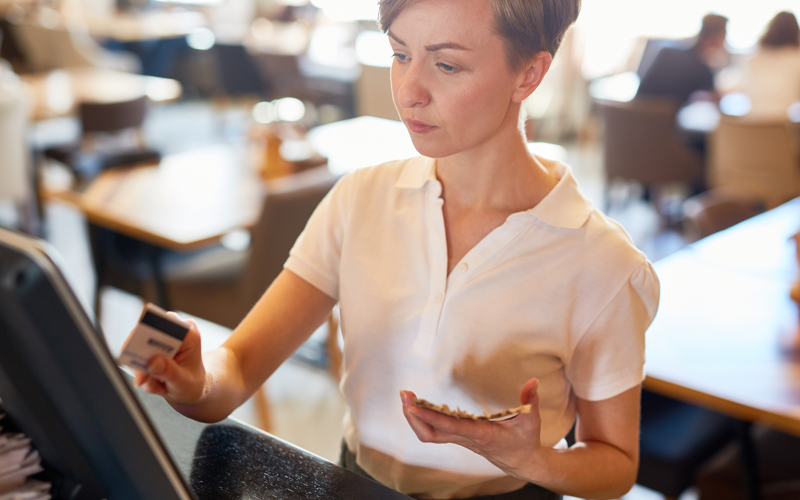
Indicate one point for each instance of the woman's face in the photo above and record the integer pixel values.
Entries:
(451, 83)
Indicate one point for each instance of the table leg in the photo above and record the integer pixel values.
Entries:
(158, 276)
(749, 461)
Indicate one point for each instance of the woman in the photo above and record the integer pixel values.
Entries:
(476, 275)
(771, 76)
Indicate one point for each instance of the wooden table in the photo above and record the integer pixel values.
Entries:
(187, 201)
(724, 313)
(194, 198)
(57, 93)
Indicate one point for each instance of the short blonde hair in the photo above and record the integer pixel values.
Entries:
(526, 26)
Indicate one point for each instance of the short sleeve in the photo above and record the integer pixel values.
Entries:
(316, 254)
(609, 357)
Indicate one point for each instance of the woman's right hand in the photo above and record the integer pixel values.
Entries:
(180, 380)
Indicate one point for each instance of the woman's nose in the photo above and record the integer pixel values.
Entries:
(413, 90)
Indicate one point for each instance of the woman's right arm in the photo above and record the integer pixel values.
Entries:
(209, 387)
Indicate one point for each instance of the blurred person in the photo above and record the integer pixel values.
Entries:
(476, 275)
(680, 73)
(771, 76)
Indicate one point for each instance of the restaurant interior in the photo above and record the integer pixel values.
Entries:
(171, 151)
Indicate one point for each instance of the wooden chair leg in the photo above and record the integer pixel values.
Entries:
(262, 407)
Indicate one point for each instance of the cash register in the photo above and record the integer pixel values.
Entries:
(100, 438)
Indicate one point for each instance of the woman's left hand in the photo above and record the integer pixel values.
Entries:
(510, 444)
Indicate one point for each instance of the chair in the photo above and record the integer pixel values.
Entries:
(45, 49)
(219, 284)
(757, 157)
(641, 144)
(778, 474)
(237, 72)
(676, 438)
(111, 135)
(714, 210)
(216, 283)
(225, 292)
(290, 75)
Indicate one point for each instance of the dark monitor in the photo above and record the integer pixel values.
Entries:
(60, 385)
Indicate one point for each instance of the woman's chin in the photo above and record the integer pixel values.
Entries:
(430, 147)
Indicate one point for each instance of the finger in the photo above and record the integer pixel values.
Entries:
(154, 386)
(431, 417)
(165, 369)
(191, 347)
(177, 316)
(446, 423)
(192, 323)
(139, 378)
(424, 432)
(407, 397)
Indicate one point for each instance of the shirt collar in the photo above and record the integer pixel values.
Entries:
(564, 206)
(417, 172)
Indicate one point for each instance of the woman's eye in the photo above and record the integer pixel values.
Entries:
(400, 57)
(447, 68)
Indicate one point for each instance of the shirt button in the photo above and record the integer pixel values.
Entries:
(463, 267)
(438, 297)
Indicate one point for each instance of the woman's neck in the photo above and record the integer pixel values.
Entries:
(500, 175)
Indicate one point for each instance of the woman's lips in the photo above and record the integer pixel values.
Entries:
(419, 127)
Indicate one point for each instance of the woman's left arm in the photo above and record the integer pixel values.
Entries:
(603, 463)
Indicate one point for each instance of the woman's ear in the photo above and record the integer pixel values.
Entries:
(531, 75)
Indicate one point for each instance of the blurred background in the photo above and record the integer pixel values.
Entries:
(160, 145)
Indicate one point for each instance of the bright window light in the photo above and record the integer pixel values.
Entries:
(201, 39)
(610, 27)
(290, 109)
(373, 49)
(332, 45)
(264, 112)
(735, 104)
(348, 10)
(794, 112)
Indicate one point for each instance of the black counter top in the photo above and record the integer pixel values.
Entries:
(233, 461)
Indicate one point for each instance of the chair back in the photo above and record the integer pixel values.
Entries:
(112, 116)
(282, 74)
(641, 143)
(715, 210)
(238, 74)
(288, 205)
(45, 49)
(759, 157)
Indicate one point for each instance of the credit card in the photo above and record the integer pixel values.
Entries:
(156, 333)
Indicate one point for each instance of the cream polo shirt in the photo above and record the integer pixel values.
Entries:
(557, 292)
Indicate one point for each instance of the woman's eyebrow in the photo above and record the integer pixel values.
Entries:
(446, 45)
(393, 37)
(430, 48)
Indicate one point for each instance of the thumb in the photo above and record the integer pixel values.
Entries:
(529, 393)
(408, 398)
